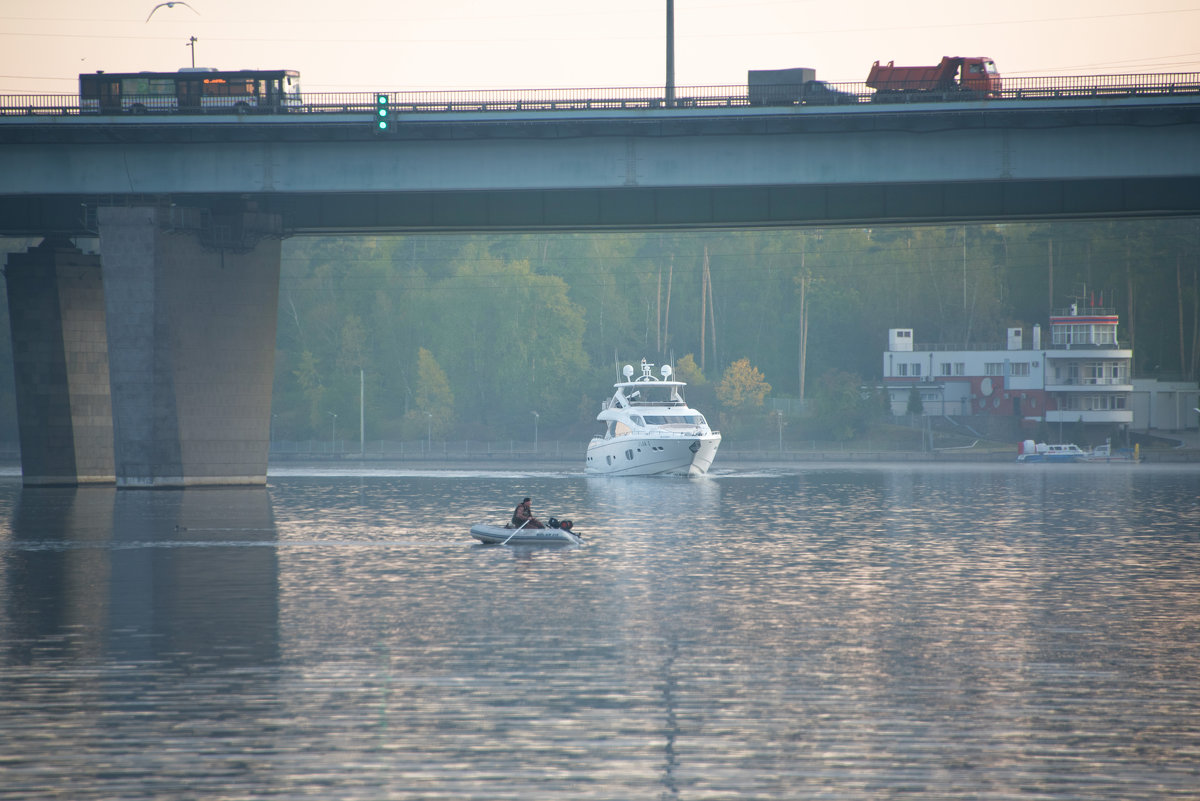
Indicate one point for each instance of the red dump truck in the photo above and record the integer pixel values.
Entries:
(955, 77)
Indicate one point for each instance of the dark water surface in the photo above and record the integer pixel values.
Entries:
(985, 632)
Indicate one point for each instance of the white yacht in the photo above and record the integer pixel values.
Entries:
(650, 430)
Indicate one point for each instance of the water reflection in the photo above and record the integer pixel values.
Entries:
(96, 573)
(853, 633)
(56, 573)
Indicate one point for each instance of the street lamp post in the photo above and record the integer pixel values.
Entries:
(779, 414)
(429, 434)
(670, 93)
(332, 432)
(535, 425)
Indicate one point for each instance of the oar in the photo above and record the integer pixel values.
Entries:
(510, 536)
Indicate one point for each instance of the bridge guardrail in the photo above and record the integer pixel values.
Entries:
(532, 100)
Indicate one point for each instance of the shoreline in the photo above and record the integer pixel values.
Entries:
(11, 468)
(736, 459)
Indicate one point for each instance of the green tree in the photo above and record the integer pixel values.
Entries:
(839, 406)
(433, 412)
(308, 375)
(514, 336)
(915, 405)
(687, 370)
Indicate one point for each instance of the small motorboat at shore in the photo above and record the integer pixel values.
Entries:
(561, 534)
(1029, 451)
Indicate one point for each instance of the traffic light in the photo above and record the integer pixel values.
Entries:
(383, 119)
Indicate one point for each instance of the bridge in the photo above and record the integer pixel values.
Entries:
(166, 351)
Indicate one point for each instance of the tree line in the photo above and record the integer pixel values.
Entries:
(466, 337)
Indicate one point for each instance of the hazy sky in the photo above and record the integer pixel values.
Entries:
(364, 45)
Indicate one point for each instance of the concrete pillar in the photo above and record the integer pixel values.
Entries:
(60, 359)
(191, 298)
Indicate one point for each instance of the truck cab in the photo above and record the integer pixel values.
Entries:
(980, 75)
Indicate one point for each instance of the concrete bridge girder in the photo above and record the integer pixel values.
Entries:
(925, 163)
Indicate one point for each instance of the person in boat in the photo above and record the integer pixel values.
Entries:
(523, 516)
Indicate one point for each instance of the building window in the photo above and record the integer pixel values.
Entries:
(916, 368)
(902, 369)
(944, 368)
(1085, 334)
(960, 368)
(1019, 368)
(993, 368)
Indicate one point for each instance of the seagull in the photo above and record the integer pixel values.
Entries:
(170, 4)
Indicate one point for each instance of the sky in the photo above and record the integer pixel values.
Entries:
(369, 45)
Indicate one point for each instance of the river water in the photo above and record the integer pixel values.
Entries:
(978, 632)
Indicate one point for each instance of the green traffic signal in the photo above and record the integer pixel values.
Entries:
(382, 121)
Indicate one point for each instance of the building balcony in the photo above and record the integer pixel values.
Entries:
(1106, 385)
(1085, 352)
(1089, 416)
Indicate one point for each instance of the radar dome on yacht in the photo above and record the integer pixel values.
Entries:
(666, 371)
(627, 371)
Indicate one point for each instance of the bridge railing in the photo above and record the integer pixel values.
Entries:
(654, 97)
(1086, 86)
(52, 105)
(496, 100)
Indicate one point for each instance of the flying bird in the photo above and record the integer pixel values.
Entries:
(170, 4)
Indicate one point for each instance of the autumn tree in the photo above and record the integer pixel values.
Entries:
(742, 388)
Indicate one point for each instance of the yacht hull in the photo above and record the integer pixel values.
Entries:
(652, 456)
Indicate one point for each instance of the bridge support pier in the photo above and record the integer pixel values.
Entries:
(64, 413)
(191, 298)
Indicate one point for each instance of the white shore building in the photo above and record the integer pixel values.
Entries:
(1080, 373)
